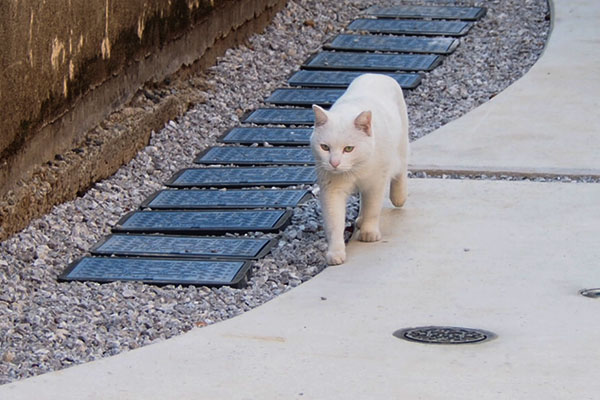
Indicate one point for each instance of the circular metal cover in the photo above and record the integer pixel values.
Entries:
(444, 335)
(593, 293)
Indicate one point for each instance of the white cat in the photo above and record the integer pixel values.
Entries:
(360, 144)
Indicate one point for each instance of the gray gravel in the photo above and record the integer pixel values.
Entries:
(45, 325)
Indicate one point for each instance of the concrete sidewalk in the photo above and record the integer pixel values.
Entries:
(508, 257)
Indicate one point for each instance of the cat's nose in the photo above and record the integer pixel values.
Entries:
(334, 162)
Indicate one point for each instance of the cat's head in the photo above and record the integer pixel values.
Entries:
(341, 143)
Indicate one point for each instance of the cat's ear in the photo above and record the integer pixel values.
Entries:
(320, 115)
(363, 122)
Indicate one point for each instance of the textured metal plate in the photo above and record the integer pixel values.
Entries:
(400, 44)
(244, 177)
(285, 116)
(183, 246)
(444, 335)
(373, 61)
(411, 27)
(208, 199)
(203, 222)
(301, 97)
(341, 79)
(158, 271)
(280, 136)
(591, 293)
(256, 155)
(434, 12)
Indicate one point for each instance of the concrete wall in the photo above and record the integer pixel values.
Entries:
(66, 64)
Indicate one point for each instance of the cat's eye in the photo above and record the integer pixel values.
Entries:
(348, 149)
(325, 147)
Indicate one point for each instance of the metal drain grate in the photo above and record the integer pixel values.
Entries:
(285, 116)
(280, 136)
(400, 44)
(444, 335)
(243, 177)
(203, 222)
(256, 155)
(158, 271)
(373, 61)
(182, 246)
(302, 97)
(209, 199)
(341, 79)
(411, 27)
(434, 12)
(591, 293)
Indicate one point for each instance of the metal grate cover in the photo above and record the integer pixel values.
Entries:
(208, 199)
(401, 44)
(285, 116)
(256, 155)
(411, 27)
(301, 97)
(444, 335)
(373, 61)
(158, 271)
(203, 222)
(182, 246)
(244, 177)
(280, 136)
(434, 12)
(341, 79)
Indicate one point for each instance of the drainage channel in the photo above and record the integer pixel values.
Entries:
(177, 236)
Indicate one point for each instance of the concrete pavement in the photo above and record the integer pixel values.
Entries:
(508, 257)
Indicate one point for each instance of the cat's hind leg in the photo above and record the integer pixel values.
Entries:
(399, 188)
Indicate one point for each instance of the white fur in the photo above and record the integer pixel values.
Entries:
(371, 117)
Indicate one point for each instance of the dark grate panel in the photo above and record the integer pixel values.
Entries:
(411, 27)
(341, 79)
(279, 136)
(433, 12)
(400, 44)
(301, 97)
(209, 199)
(203, 222)
(444, 335)
(256, 155)
(182, 246)
(158, 271)
(275, 116)
(244, 177)
(373, 61)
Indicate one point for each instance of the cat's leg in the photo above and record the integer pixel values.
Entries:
(371, 202)
(333, 205)
(399, 188)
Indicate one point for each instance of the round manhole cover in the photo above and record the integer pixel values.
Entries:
(444, 335)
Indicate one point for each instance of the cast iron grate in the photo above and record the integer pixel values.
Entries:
(182, 246)
(591, 293)
(172, 199)
(243, 177)
(444, 335)
(434, 12)
(373, 61)
(303, 97)
(284, 116)
(401, 44)
(341, 79)
(256, 155)
(158, 271)
(277, 136)
(411, 27)
(203, 222)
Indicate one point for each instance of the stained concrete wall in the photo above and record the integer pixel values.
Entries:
(65, 65)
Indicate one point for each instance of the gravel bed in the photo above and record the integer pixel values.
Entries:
(46, 326)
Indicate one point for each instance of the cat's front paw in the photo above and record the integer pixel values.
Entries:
(369, 236)
(336, 257)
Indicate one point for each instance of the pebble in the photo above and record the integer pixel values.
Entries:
(46, 325)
